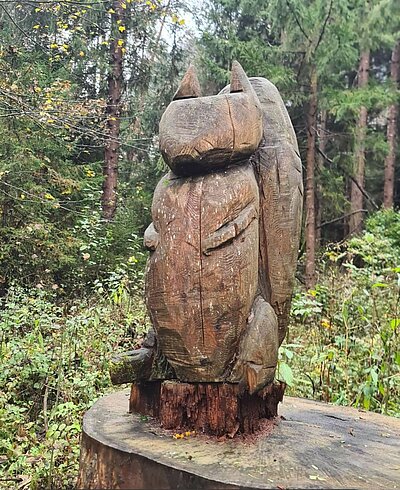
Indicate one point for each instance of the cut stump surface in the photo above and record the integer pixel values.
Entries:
(314, 445)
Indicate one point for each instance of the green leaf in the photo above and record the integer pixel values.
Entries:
(285, 373)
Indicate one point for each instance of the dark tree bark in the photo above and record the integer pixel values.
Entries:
(310, 180)
(113, 112)
(320, 162)
(390, 160)
(211, 408)
(357, 198)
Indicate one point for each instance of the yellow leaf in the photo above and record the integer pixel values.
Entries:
(53, 46)
(123, 5)
(49, 196)
(37, 9)
(37, 26)
(181, 22)
(123, 50)
(81, 53)
(121, 28)
(50, 121)
(111, 11)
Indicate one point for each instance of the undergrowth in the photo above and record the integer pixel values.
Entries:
(54, 365)
(343, 345)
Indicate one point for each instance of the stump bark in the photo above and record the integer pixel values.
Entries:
(211, 408)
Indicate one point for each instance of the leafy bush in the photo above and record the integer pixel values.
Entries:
(54, 365)
(345, 333)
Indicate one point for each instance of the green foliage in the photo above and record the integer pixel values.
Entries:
(347, 329)
(54, 364)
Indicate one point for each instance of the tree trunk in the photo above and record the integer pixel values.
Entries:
(136, 125)
(113, 112)
(390, 159)
(211, 408)
(320, 161)
(310, 181)
(356, 219)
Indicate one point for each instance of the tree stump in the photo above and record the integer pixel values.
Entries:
(314, 445)
(211, 408)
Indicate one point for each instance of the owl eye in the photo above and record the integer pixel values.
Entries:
(189, 87)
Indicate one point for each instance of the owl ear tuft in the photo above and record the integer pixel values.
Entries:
(189, 87)
(239, 80)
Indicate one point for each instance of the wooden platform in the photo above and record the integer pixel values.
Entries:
(314, 445)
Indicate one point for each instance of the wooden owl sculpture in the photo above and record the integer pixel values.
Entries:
(225, 232)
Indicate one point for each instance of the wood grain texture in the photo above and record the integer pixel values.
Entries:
(206, 134)
(224, 244)
(258, 351)
(279, 174)
(211, 408)
(314, 445)
(189, 86)
(201, 279)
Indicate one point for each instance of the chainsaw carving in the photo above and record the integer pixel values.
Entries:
(225, 235)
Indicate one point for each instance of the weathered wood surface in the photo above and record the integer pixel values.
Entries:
(202, 277)
(131, 366)
(211, 408)
(205, 134)
(189, 86)
(316, 445)
(224, 244)
(279, 175)
(258, 349)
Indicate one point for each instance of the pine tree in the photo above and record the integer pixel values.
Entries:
(388, 190)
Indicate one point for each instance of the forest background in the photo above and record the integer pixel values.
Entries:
(82, 87)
